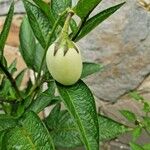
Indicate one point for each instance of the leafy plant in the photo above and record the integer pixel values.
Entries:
(140, 124)
(79, 124)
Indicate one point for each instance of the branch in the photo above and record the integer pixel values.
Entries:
(12, 81)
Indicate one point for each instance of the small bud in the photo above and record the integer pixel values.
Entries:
(64, 62)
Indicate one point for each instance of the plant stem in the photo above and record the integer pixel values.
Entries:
(65, 29)
(12, 81)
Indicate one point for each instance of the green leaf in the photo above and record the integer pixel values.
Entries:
(130, 116)
(2, 133)
(5, 88)
(19, 77)
(90, 68)
(73, 25)
(39, 22)
(81, 105)
(109, 129)
(39, 53)
(46, 9)
(27, 43)
(147, 122)
(20, 109)
(136, 96)
(6, 122)
(12, 68)
(53, 118)
(28, 88)
(62, 128)
(59, 6)
(85, 7)
(31, 134)
(146, 107)
(44, 99)
(146, 146)
(136, 133)
(55, 100)
(135, 146)
(7, 92)
(1, 79)
(31, 52)
(96, 20)
(4, 62)
(6, 28)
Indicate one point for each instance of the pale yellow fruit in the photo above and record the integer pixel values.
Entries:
(65, 69)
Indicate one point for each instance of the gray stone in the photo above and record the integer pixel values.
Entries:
(4, 6)
(122, 44)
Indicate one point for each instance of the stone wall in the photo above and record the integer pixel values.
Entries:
(122, 44)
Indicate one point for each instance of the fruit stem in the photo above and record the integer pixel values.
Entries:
(65, 29)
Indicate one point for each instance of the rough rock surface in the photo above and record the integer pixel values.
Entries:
(122, 44)
(4, 6)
